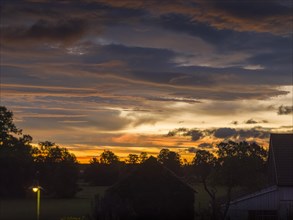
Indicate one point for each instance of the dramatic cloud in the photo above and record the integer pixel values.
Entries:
(238, 15)
(61, 31)
(256, 132)
(225, 132)
(121, 74)
(222, 133)
(285, 110)
(195, 134)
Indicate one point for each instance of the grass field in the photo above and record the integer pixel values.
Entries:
(78, 208)
(202, 198)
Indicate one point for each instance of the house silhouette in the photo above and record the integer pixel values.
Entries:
(275, 201)
(151, 192)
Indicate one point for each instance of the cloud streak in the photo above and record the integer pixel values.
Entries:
(122, 74)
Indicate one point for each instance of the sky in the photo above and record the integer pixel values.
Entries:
(136, 75)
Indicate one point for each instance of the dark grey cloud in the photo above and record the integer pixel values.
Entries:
(185, 24)
(232, 95)
(62, 55)
(257, 132)
(195, 134)
(62, 31)
(222, 133)
(145, 62)
(252, 121)
(228, 41)
(143, 66)
(252, 9)
(59, 22)
(191, 150)
(177, 131)
(205, 145)
(155, 65)
(244, 15)
(285, 110)
(225, 132)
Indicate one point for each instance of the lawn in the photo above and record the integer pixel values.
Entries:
(78, 208)
(202, 198)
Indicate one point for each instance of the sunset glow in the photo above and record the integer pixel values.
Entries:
(139, 76)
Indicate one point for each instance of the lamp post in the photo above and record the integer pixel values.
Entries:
(37, 189)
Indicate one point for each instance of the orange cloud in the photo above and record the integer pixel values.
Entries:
(207, 12)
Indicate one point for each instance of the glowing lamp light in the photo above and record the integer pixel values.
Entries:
(37, 189)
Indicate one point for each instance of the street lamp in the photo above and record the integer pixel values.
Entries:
(37, 189)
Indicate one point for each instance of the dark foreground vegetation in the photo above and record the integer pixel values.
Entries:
(232, 169)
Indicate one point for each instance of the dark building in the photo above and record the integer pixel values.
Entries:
(281, 160)
(276, 200)
(152, 192)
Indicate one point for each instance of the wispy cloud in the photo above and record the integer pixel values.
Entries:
(122, 74)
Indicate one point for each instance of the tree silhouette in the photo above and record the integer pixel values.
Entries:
(58, 169)
(16, 161)
(205, 164)
(171, 160)
(103, 172)
(237, 164)
(108, 157)
(143, 156)
(241, 164)
(19, 162)
(132, 159)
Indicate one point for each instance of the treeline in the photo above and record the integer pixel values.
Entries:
(108, 168)
(233, 165)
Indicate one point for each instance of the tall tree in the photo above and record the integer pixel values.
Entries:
(171, 160)
(205, 164)
(241, 164)
(16, 161)
(132, 159)
(143, 156)
(105, 171)
(108, 157)
(236, 165)
(58, 170)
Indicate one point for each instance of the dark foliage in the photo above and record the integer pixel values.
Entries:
(240, 164)
(22, 166)
(171, 160)
(16, 161)
(104, 172)
(58, 170)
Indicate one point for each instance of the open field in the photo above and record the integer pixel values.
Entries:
(78, 208)
(202, 198)
(51, 209)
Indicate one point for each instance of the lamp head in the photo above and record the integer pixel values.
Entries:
(35, 189)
